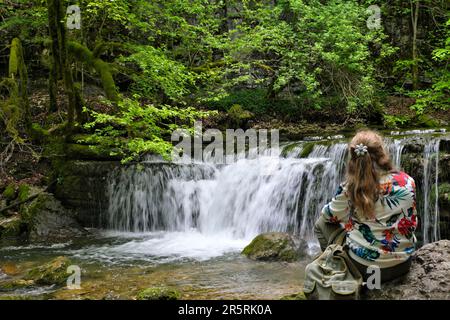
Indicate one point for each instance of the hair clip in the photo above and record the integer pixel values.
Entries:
(360, 150)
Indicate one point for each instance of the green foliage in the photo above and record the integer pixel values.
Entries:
(23, 192)
(438, 96)
(24, 19)
(393, 121)
(273, 58)
(10, 192)
(254, 100)
(159, 74)
(139, 129)
(305, 48)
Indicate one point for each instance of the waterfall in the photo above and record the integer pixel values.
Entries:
(430, 207)
(395, 149)
(242, 199)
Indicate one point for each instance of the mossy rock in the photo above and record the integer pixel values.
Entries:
(10, 192)
(54, 272)
(444, 167)
(444, 194)
(307, 149)
(11, 227)
(38, 134)
(238, 115)
(159, 293)
(49, 221)
(288, 149)
(23, 192)
(88, 152)
(272, 246)
(294, 296)
(17, 284)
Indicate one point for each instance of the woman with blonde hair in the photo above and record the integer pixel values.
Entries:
(375, 208)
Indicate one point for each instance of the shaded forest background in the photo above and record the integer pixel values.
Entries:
(137, 70)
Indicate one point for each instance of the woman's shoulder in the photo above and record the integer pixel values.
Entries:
(399, 178)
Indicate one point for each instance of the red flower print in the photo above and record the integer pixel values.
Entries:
(388, 235)
(400, 178)
(406, 226)
(334, 219)
(349, 225)
(386, 187)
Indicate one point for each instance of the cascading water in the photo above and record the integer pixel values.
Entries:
(238, 200)
(207, 207)
(395, 148)
(430, 220)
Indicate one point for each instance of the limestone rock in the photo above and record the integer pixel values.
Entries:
(429, 277)
(49, 221)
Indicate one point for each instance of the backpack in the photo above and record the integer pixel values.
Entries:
(332, 275)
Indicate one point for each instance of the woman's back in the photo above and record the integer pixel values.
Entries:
(388, 238)
(375, 207)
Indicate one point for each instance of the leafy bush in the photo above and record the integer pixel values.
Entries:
(159, 74)
(438, 96)
(139, 129)
(392, 121)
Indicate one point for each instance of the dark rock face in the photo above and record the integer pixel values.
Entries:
(429, 277)
(273, 246)
(83, 187)
(48, 221)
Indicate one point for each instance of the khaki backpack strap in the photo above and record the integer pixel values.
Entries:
(337, 237)
(351, 266)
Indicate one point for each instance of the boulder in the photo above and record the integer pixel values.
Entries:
(159, 293)
(49, 221)
(429, 277)
(273, 246)
(53, 272)
(10, 227)
(16, 284)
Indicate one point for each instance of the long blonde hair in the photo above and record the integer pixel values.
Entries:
(362, 171)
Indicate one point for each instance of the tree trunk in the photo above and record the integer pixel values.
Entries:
(415, 5)
(56, 19)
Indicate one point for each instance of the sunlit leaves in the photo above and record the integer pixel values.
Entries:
(139, 129)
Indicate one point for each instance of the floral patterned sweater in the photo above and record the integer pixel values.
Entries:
(388, 239)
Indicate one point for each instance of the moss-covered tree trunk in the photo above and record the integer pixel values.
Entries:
(85, 55)
(18, 73)
(60, 64)
(16, 107)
